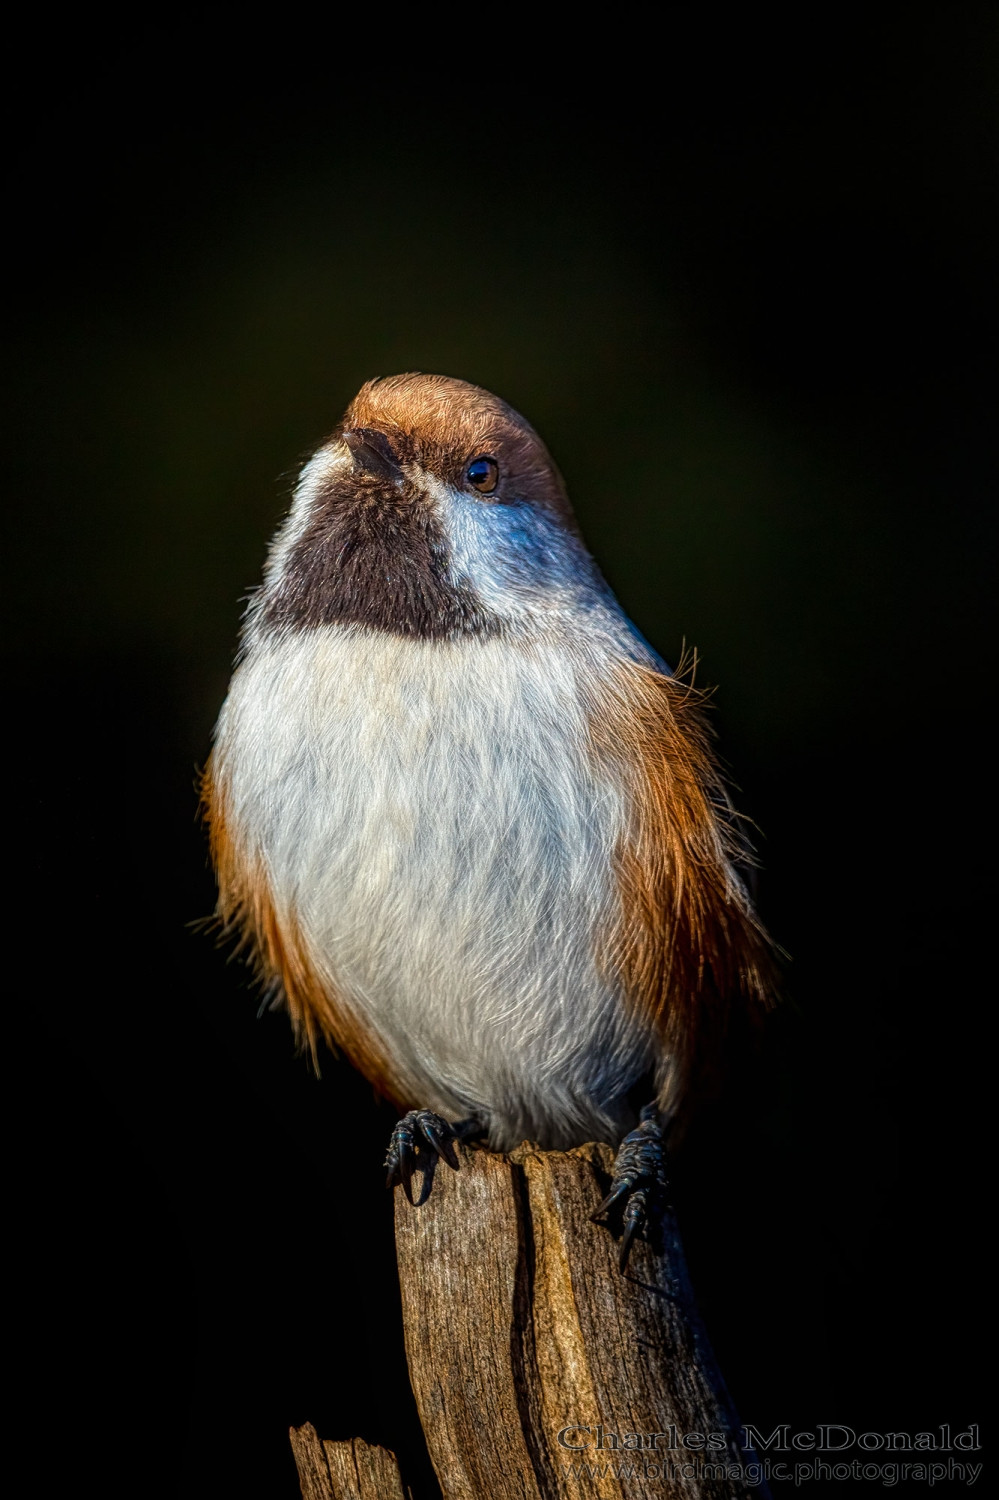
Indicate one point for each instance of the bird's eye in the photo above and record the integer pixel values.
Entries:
(483, 475)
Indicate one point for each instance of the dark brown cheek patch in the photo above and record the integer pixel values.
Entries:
(374, 554)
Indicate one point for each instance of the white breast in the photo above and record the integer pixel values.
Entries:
(431, 814)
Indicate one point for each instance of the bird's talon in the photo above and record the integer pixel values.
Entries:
(420, 1139)
(439, 1140)
(638, 1181)
(635, 1219)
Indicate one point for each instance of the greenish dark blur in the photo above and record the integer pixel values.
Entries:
(164, 418)
(171, 433)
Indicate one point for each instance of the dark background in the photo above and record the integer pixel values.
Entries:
(741, 277)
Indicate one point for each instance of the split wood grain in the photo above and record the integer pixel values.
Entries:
(519, 1326)
(352, 1470)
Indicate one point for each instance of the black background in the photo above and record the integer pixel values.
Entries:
(740, 274)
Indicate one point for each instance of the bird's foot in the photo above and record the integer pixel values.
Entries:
(638, 1180)
(419, 1141)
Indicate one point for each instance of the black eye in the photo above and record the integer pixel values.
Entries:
(483, 475)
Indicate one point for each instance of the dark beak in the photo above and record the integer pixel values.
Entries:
(372, 450)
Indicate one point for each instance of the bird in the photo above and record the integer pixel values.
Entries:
(466, 821)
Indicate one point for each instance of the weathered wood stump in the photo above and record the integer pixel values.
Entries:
(344, 1471)
(539, 1370)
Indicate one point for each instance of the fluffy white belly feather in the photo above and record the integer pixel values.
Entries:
(431, 816)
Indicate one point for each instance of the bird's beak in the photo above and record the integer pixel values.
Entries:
(371, 450)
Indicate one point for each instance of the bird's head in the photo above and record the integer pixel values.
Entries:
(434, 510)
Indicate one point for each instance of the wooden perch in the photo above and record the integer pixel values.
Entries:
(344, 1471)
(519, 1327)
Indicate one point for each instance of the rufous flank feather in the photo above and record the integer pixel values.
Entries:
(274, 947)
(687, 943)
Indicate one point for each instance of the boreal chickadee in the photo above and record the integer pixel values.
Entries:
(466, 817)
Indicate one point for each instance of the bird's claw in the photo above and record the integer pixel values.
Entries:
(418, 1141)
(638, 1181)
